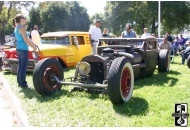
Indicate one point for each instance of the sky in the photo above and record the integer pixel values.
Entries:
(93, 6)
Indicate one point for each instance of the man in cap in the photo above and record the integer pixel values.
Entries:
(128, 33)
(95, 34)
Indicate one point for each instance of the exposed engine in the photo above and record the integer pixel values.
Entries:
(99, 65)
(108, 53)
(97, 71)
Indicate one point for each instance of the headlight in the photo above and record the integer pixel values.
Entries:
(84, 68)
(2, 54)
(34, 55)
(5, 55)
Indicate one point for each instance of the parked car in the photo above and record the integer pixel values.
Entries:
(8, 45)
(159, 40)
(114, 69)
(68, 47)
(186, 36)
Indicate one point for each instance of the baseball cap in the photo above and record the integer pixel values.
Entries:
(98, 21)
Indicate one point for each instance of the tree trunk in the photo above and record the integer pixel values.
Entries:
(153, 27)
(142, 26)
(2, 36)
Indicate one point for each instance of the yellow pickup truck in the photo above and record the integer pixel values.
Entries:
(69, 47)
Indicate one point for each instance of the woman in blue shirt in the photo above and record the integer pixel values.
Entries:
(22, 48)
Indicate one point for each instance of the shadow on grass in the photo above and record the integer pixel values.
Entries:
(7, 73)
(31, 93)
(158, 79)
(29, 73)
(174, 62)
(89, 94)
(136, 106)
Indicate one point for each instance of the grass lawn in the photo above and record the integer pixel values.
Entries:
(152, 103)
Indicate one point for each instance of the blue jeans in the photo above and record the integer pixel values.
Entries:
(23, 63)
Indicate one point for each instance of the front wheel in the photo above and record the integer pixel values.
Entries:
(120, 81)
(43, 73)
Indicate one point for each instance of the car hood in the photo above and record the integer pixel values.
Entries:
(49, 47)
(10, 50)
(50, 50)
(5, 46)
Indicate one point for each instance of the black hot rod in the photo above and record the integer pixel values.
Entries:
(117, 65)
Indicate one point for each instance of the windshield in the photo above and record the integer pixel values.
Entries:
(56, 40)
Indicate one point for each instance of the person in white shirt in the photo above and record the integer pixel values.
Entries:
(145, 34)
(95, 34)
(165, 44)
(35, 36)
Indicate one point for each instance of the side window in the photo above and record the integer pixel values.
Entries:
(66, 41)
(80, 40)
(62, 40)
(56, 40)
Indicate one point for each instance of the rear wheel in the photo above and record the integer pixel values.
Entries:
(43, 73)
(164, 61)
(120, 81)
(188, 61)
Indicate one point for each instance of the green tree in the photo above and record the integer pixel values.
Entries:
(34, 15)
(53, 16)
(7, 12)
(99, 16)
(60, 16)
(9, 28)
(78, 19)
(174, 14)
